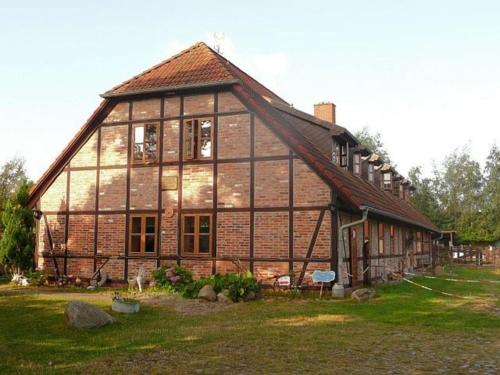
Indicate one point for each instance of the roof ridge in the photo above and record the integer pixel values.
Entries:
(160, 64)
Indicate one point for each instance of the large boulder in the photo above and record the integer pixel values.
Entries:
(207, 293)
(80, 314)
(362, 295)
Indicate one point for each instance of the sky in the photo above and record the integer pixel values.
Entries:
(424, 74)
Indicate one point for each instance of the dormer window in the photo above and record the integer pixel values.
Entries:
(387, 181)
(344, 153)
(336, 153)
(356, 167)
(371, 173)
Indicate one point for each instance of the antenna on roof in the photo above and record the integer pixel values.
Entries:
(218, 41)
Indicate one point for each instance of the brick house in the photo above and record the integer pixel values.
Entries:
(195, 162)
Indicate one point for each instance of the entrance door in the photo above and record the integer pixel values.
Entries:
(354, 257)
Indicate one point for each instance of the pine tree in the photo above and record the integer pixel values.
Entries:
(18, 239)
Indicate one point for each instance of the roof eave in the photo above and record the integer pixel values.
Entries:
(164, 89)
(397, 217)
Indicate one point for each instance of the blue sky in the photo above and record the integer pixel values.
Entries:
(425, 74)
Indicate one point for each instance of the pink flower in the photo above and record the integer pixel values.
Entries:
(174, 279)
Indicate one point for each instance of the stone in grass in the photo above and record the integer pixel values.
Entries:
(363, 295)
(207, 293)
(251, 296)
(80, 314)
(438, 271)
(223, 297)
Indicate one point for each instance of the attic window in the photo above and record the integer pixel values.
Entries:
(145, 143)
(371, 176)
(198, 139)
(387, 180)
(344, 149)
(356, 168)
(336, 153)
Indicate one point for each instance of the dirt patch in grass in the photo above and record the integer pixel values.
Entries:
(186, 306)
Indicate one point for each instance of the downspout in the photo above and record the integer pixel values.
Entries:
(338, 288)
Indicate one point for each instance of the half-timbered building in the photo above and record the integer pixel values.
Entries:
(195, 162)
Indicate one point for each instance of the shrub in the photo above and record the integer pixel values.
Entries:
(172, 278)
(179, 280)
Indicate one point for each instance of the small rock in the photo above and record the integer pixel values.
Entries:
(362, 295)
(80, 314)
(251, 296)
(222, 297)
(207, 293)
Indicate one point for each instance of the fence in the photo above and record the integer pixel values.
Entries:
(465, 254)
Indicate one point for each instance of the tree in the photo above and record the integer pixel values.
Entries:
(424, 198)
(12, 174)
(373, 142)
(491, 194)
(18, 240)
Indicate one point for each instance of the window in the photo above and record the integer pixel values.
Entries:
(145, 140)
(387, 183)
(336, 153)
(197, 234)
(344, 152)
(356, 167)
(198, 135)
(381, 239)
(366, 230)
(393, 240)
(371, 176)
(142, 234)
(419, 242)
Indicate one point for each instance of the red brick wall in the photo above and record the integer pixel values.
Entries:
(134, 266)
(233, 136)
(144, 188)
(198, 104)
(82, 190)
(172, 106)
(81, 234)
(112, 189)
(233, 234)
(229, 103)
(271, 234)
(170, 197)
(271, 189)
(57, 228)
(308, 188)
(114, 145)
(226, 266)
(169, 235)
(119, 113)
(146, 109)
(111, 235)
(200, 268)
(271, 183)
(171, 140)
(197, 186)
(233, 185)
(79, 267)
(263, 271)
(114, 267)
(54, 199)
(266, 143)
(87, 155)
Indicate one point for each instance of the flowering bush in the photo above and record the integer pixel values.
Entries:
(179, 280)
(172, 278)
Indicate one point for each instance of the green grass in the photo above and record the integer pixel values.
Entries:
(405, 330)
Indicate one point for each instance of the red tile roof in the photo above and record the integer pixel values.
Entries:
(199, 66)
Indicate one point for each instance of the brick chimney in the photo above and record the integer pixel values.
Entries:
(325, 111)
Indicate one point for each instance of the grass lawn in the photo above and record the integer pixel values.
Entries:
(406, 330)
